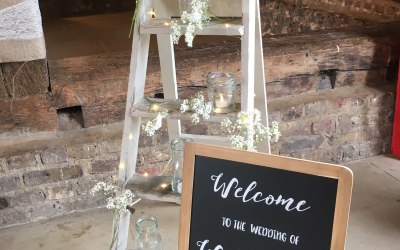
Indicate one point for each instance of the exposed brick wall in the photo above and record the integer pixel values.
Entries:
(54, 181)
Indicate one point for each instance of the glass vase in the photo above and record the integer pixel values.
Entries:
(185, 5)
(221, 87)
(147, 235)
(176, 163)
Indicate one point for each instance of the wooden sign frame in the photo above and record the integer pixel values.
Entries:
(341, 173)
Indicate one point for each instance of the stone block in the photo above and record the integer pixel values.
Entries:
(108, 147)
(84, 203)
(382, 100)
(338, 104)
(23, 161)
(319, 155)
(371, 148)
(84, 185)
(274, 116)
(357, 103)
(357, 135)
(71, 172)
(299, 144)
(379, 131)
(4, 202)
(45, 211)
(350, 152)
(51, 175)
(101, 166)
(292, 113)
(325, 126)
(296, 127)
(61, 191)
(28, 197)
(9, 183)
(344, 124)
(81, 151)
(38, 177)
(2, 165)
(316, 108)
(54, 156)
(11, 216)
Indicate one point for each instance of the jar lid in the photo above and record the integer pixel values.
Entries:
(146, 223)
(221, 78)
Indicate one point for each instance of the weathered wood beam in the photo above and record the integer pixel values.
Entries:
(373, 11)
(19, 79)
(98, 83)
(31, 113)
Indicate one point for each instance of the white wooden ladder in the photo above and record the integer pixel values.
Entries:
(253, 94)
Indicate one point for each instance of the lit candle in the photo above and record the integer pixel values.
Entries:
(154, 107)
(221, 102)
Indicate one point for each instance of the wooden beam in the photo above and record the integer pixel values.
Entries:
(32, 113)
(19, 79)
(367, 10)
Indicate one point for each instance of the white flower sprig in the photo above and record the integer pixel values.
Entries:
(153, 125)
(195, 20)
(117, 203)
(198, 106)
(249, 124)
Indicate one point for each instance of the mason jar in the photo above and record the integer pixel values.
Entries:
(147, 235)
(221, 87)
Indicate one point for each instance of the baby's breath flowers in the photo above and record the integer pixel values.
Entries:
(195, 20)
(117, 203)
(241, 129)
(199, 107)
(153, 125)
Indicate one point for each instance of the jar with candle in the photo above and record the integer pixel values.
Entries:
(221, 88)
(147, 235)
(176, 163)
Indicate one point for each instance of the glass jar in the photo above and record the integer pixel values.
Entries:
(221, 88)
(185, 5)
(147, 237)
(176, 163)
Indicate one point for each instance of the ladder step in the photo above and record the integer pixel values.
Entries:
(149, 107)
(153, 188)
(208, 139)
(221, 27)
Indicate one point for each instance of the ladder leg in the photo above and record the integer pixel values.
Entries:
(131, 133)
(260, 97)
(248, 60)
(168, 76)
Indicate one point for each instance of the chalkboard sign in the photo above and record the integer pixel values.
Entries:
(233, 199)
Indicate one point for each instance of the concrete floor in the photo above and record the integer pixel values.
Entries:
(374, 218)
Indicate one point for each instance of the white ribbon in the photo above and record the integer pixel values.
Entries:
(21, 21)
(21, 32)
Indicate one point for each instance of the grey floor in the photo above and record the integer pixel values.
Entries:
(374, 218)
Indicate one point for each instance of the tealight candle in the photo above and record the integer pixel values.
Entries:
(222, 91)
(220, 102)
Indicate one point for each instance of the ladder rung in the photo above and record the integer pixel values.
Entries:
(221, 27)
(148, 107)
(208, 139)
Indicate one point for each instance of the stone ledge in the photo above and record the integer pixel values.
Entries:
(13, 144)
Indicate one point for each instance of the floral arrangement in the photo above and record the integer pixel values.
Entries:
(198, 106)
(249, 124)
(155, 124)
(195, 20)
(119, 204)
